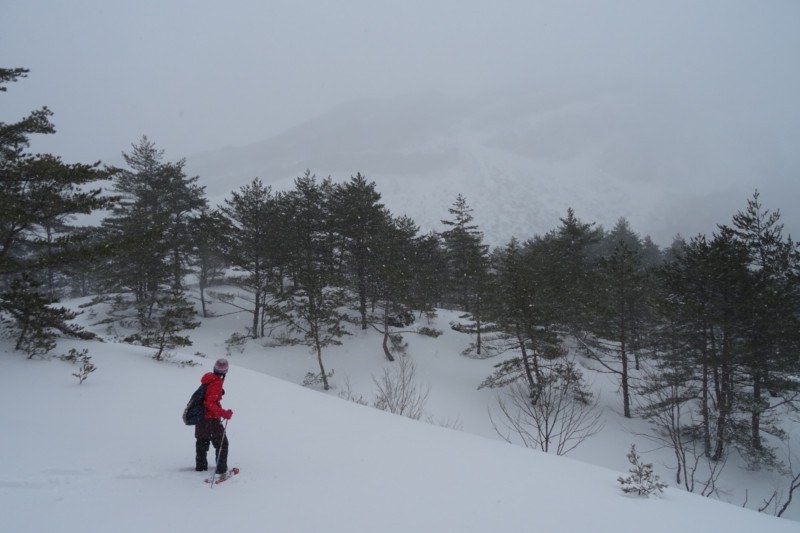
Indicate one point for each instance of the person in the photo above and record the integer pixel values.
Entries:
(210, 430)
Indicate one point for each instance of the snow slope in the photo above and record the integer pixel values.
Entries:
(111, 454)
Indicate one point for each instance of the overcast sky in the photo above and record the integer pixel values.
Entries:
(197, 75)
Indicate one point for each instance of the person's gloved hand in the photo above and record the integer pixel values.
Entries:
(227, 414)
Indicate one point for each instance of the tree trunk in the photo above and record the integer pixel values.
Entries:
(202, 284)
(626, 395)
(256, 312)
(526, 364)
(362, 296)
(321, 366)
(756, 415)
(386, 351)
(705, 392)
(313, 321)
(724, 401)
(477, 316)
(705, 410)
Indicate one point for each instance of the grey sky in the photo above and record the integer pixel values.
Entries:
(197, 75)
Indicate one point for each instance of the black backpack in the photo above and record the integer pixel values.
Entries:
(195, 410)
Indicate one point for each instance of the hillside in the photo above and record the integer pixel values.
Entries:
(112, 455)
(522, 155)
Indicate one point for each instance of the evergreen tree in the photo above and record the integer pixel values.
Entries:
(731, 309)
(430, 273)
(358, 218)
(159, 201)
(652, 256)
(524, 307)
(619, 314)
(311, 304)
(173, 314)
(394, 273)
(255, 244)
(467, 262)
(772, 335)
(151, 226)
(208, 230)
(38, 195)
(684, 341)
(574, 244)
(642, 480)
(36, 319)
(707, 290)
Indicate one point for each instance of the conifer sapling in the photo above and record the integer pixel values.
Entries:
(642, 480)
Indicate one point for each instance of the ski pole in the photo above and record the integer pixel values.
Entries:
(219, 450)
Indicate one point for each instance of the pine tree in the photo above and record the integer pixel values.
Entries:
(174, 315)
(705, 291)
(574, 246)
(642, 480)
(430, 273)
(310, 305)
(38, 195)
(467, 262)
(208, 255)
(513, 309)
(151, 231)
(620, 314)
(772, 334)
(358, 219)
(256, 244)
(394, 273)
(730, 307)
(159, 201)
(36, 319)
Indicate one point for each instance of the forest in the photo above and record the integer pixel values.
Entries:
(714, 321)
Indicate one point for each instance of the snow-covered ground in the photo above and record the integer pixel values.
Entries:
(111, 454)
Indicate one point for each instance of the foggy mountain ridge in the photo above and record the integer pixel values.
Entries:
(522, 155)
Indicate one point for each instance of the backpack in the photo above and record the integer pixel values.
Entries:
(195, 410)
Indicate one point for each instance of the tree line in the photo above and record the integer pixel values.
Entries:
(708, 327)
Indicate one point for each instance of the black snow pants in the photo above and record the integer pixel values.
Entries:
(207, 432)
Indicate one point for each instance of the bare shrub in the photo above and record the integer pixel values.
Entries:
(398, 392)
(559, 417)
(669, 408)
(350, 395)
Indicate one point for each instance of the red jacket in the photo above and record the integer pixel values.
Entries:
(214, 394)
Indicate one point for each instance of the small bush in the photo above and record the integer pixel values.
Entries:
(82, 357)
(236, 342)
(429, 332)
(316, 378)
(642, 480)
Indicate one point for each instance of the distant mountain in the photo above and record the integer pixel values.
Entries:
(521, 156)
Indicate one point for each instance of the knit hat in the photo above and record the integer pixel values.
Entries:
(221, 366)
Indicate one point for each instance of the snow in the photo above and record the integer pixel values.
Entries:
(111, 454)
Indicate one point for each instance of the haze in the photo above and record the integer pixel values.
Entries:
(721, 79)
